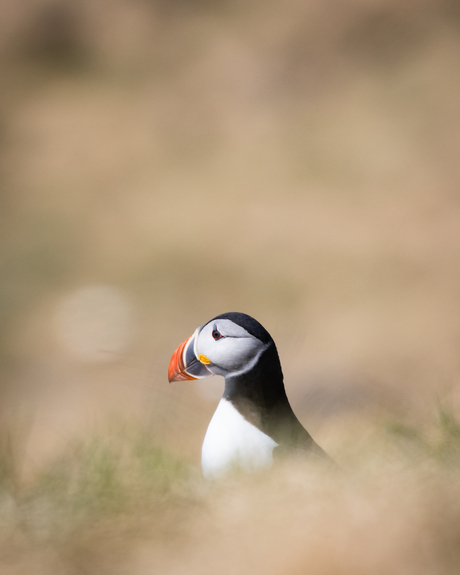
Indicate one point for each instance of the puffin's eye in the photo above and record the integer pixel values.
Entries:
(216, 333)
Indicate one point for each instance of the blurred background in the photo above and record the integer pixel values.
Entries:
(163, 162)
(166, 161)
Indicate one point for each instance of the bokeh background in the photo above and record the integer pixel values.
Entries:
(166, 161)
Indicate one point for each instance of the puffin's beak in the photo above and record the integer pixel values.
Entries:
(184, 363)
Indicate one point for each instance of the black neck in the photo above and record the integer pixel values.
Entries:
(262, 385)
(259, 396)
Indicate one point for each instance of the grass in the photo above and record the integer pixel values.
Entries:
(118, 503)
(440, 441)
(107, 477)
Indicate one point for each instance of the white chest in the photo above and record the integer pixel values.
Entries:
(231, 441)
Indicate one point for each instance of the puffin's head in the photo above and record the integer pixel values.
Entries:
(229, 344)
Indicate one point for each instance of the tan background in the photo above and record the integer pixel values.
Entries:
(166, 161)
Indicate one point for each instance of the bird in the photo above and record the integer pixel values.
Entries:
(254, 420)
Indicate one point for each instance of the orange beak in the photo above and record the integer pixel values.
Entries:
(184, 365)
(176, 369)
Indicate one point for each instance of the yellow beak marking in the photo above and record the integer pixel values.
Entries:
(204, 359)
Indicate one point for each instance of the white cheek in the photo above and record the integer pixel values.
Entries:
(234, 353)
(228, 353)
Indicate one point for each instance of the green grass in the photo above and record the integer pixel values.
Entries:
(107, 478)
(438, 440)
(92, 508)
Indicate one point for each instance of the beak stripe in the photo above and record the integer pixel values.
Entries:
(176, 370)
(185, 364)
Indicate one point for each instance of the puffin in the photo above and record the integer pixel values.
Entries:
(254, 421)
